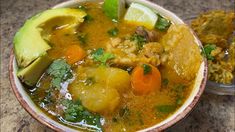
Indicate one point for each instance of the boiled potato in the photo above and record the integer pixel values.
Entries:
(100, 99)
(118, 79)
(102, 92)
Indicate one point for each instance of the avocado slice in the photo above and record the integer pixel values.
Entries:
(29, 41)
(31, 74)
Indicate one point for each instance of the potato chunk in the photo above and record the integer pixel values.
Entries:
(99, 88)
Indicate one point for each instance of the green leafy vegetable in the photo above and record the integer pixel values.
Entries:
(147, 69)
(101, 56)
(165, 81)
(208, 49)
(82, 37)
(162, 24)
(139, 39)
(88, 18)
(113, 32)
(60, 71)
(166, 109)
(89, 81)
(76, 112)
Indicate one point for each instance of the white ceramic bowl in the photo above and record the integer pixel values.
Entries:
(34, 111)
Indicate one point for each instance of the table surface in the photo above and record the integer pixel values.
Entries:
(213, 112)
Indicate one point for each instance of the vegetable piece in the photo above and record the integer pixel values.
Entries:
(162, 23)
(81, 7)
(104, 92)
(165, 81)
(101, 56)
(141, 40)
(60, 72)
(166, 109)
(76, 112)
(147, 69)
(208, 49)
(88, 18)
(74, 53)
(114, 9)
(113, 32)
(145, 83)
(82, 37)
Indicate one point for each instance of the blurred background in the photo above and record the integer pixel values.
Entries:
(213, 112)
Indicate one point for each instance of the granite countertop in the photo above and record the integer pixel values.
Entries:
(213, 112)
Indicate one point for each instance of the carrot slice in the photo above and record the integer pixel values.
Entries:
(74, 53)
(144, 81)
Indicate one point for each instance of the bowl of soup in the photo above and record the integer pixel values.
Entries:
(78, 67)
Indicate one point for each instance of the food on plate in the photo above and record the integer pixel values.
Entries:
(215, 30)
(90, 72)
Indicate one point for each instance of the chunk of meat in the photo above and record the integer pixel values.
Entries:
(127, 54)
(150, 36)
(184, 54)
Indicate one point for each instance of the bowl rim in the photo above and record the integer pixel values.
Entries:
(173, 121)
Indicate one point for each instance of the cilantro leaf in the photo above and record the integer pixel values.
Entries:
(166, 109)
(60, 71)
(208, 49)
(81, 7)
(101, 56)
(162, 24)
(88, 18)
(82, 37)
(147, 68)
(76, 112)
(141, 40)
(165, 81)
(113, 32)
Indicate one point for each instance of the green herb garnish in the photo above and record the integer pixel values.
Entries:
(208, 49)
(166, 109)
(101, 56)
(88, 18)
(76, 112)
(162, 24)
(82, 37)
(113, 32)
(140, 40)
(60, 71)
(147, 69)
(165, 81)
(124, 112)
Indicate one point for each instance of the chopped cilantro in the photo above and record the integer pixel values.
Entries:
(88, 18)
(166, 109)
(82, 37)
(162, 24)
(140, 40)
(101, 56)
(179, 88)
(113, 32)
(60, 71)
(165, 81)
(208, 49)
(124, 112)
(147, 69)
(76, 112)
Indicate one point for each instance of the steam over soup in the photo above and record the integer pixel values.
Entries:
(99, 74)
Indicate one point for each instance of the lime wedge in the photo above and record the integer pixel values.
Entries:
(138, 14)
(114, 9)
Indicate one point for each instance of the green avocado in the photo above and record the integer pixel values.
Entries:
(31, 41)
(31, 74)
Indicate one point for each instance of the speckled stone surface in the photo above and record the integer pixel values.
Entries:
(213, 113)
